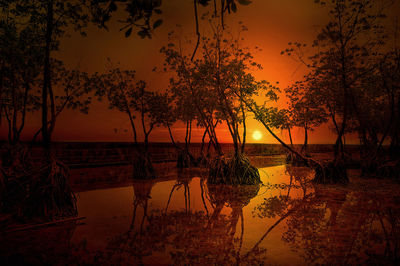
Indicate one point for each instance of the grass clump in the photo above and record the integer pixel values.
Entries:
(233, 171)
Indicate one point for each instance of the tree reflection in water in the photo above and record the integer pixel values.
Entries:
(332, 224)
(341, 227)
(183, 180)
(185, 236)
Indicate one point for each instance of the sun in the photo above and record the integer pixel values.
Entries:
(257, 135)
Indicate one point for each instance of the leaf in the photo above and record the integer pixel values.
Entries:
(233, 7)
(128, 32)
(244, 2)
(142, 33)
(157, 11)
(113, 6)
(204, 2)
(157, 23)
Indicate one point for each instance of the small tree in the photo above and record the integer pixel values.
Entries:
(185, 87)
(218, 83)
(129, 96)
(50, 19)
(306, 110)
(19, 67)
(345, 52)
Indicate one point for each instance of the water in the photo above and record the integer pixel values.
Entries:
(286, 221)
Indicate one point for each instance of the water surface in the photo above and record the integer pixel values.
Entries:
(285, 221)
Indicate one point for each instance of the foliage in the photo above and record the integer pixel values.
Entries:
(305, 108)
(346, 50)
(20, 65)
(131, 97)
(187, 92)
(140, 14)
(217, 82)
(47, 21)
(224, 70)
(222, 75)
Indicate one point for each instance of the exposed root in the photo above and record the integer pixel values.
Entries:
(35, 192)
(295, 160)
(203, 160)
(369, 167)
(330, 173)
(185, 159)
(235, 171)
(389, 170)
(50, 192)
(143, 167)
(2, 187)
(375, 168)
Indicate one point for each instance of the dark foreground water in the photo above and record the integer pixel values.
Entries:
(185, 221)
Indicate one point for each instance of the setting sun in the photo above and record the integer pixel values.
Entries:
(257, 135)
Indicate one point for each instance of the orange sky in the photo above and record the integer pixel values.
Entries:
(272, 24)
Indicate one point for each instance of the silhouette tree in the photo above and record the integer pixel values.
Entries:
(344, 56)
(346, 49)
(218, 82)
(138, 14)
(20, 59)
(131, 97)
(71, 90)
(305, 108)
(183, 111)
(51, 17)
(185, 82)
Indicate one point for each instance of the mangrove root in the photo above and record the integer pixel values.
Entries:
(143, 167)
(235, 171)
(36, 192)
(389, 169)
(50, 194)
(295, 160)
(331, 172)
(185, 159)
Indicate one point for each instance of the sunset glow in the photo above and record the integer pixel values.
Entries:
(257, 135)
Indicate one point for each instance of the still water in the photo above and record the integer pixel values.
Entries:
(285, 221)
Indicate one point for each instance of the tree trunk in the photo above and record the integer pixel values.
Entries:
(244, 126)
(304, 148)
(290, 137)
(203, 141)
(47, 74)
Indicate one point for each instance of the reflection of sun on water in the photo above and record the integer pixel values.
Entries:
(257, 135)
